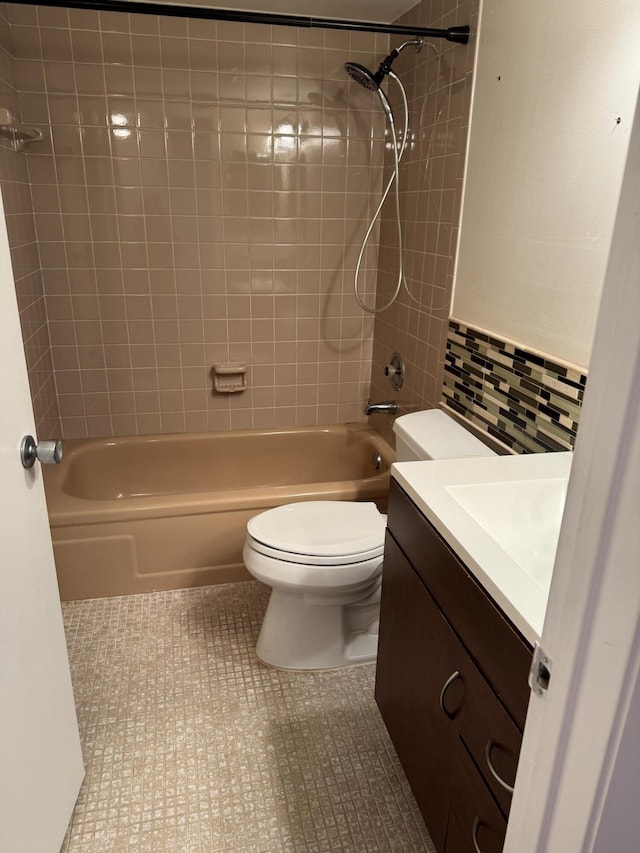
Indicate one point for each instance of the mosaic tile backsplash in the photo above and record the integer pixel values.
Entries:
(523, 399)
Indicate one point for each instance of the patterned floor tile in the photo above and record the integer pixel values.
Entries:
(192, 746)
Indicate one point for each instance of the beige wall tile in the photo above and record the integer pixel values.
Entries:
(438, 91)
(21, 223)
(199, 205)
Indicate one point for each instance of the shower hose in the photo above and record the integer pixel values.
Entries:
(394, 179)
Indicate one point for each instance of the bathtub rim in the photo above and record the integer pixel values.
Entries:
(68, 510)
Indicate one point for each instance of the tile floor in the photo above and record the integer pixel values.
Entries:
(192, 746)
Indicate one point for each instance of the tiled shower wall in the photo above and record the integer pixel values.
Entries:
(438, 81)
(24, 252)
(199, 198)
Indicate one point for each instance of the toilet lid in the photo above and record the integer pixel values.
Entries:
(321, 529)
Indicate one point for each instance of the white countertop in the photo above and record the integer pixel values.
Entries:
(502, 517)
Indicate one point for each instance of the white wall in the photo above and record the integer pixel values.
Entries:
(545, 163)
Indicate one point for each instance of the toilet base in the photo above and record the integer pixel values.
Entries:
(301, 635)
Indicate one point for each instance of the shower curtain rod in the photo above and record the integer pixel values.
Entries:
(454, 34)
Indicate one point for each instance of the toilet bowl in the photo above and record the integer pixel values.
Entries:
(323, 561)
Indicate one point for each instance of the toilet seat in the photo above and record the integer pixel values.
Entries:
(313, 559)
(319, 533)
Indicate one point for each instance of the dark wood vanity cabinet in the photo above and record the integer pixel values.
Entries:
(451, 685)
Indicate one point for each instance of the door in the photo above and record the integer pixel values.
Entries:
(40, 759)
(579, 773)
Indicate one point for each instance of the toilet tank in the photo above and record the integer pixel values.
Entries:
(434, 435)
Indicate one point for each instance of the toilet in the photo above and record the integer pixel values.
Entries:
(323, 560)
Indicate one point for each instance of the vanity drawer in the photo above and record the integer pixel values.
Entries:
(490, 735)
(502, 655)
(475, 821)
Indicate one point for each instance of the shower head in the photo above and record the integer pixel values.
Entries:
(362, 75)
(372, 81)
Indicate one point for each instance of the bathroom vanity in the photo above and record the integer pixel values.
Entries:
(451, 683)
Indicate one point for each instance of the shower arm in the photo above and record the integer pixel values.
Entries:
(385, 66)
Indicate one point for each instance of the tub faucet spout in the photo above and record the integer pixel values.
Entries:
(389, 406)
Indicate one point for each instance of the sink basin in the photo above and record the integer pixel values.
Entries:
(522, 517)
(502, 517)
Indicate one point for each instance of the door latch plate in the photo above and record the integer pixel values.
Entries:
(540, 672)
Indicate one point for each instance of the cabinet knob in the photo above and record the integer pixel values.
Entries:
(492, 769)
(446, 686)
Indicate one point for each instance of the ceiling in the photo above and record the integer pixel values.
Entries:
(380, 11)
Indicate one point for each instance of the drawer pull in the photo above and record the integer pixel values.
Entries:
(447, 685)
(492, 769)
(474, 834)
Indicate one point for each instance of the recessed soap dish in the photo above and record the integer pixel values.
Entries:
(230, 377)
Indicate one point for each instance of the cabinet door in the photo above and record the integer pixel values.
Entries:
(417, 655)
(502, 656)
